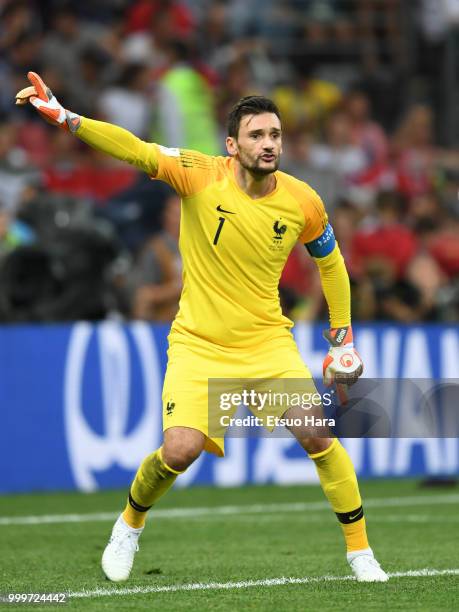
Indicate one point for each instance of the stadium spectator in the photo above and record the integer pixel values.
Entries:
(237, 82)
(184, 105)
(15, 171)
(89, 176)
(158, 272)
(23, 53)
(384, 242)
(351, 143)
(17, 17)
(13, 232)
(444, 247)
(128, 101)
(145, 12)
(67, 38)
(215, 44)
(345, 220)
(297, 160)
(427, 277)
(135, 212)
(305, 100)
(338, 155)
(94, 71)
(415, 156)
(369, 137)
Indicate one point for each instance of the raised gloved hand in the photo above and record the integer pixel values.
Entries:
(40, 96)
(343, 365)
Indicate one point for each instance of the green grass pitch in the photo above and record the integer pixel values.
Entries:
(245, 535)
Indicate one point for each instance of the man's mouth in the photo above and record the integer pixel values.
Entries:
(268, 157)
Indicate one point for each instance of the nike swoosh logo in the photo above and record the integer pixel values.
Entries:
(220, 209)
(351, 518)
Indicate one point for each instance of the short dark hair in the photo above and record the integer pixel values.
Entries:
(250, 105)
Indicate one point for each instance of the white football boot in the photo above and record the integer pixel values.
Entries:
(365, 566)
(119, 553)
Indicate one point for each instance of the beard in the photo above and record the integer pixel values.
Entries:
(258, 167)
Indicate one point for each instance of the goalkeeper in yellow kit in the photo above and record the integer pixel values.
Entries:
(240, 219)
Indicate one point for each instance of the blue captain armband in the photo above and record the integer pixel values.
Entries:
(323, 245)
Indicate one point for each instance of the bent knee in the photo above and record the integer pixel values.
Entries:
(179, 458)
(182, 447)
(315, 445)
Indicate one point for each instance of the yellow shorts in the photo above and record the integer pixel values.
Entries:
(192, 362)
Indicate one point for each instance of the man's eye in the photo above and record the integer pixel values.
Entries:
(255, 136)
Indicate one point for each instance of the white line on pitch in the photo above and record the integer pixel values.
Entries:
(374, 518)
(245, 584)
(176, 513)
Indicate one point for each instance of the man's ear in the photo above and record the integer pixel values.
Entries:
(231, 145)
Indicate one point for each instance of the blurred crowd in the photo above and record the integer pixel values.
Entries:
(367, 92)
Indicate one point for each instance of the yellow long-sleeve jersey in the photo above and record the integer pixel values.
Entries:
(233, 247)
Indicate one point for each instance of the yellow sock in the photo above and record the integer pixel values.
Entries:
(154, 477)
(339, 483)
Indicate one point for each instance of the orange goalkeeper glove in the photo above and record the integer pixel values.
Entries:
(343, 364)
(40, 96)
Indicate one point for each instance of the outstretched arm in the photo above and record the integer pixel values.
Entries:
(105, 137)
(188, 172)
(119, 143)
